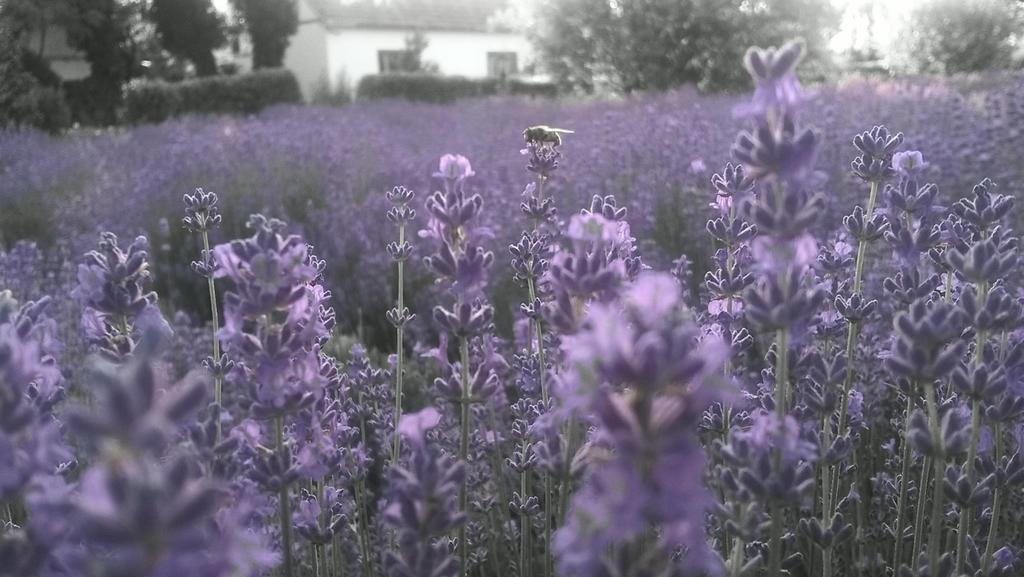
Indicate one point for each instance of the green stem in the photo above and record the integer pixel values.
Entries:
(854, 329)
(736, 559)
(966, 511)
(499, 476)
(862, 246)
(399, 351)
(781, 372)
(922, 502)
(938, 462)
(826, 497)
(524, 530)
(860, 541)
(972, 448)
(897, 557)
(364, 528)
(781, 400)
(548, 558)
(285, 504)
(494, 536)
(997, 502)
(565, 487)
(540, 344)
(775, 545)
(533, 295)
(218, 385)
(852, 334)
(464, 451)
(726, 535)
(729, 261)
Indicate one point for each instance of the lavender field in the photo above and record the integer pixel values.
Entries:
(767, 334)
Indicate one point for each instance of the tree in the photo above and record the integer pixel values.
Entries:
(108, 34)
(271, 24)
(190, 29)
(656, 44)
(954, 36)
(24, 16)
(415, 44)
(24, 101)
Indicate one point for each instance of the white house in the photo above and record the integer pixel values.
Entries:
(340, 41)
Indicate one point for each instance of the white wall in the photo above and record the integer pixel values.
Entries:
(306, 55)
(352, 53)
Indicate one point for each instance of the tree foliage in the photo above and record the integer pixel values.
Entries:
(23, 16)
(190, 29)
(24, 101)
(270, 24)
(108, 33)
(954, 36)
(656, 44)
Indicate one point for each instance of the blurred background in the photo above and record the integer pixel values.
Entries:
(104, 62)
(308, 110)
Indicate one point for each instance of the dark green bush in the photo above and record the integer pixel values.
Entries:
(44, 108)
(88, 100)
(152, 102)
(533, 89)
(422, 87)
(39, 68)
(242, 94)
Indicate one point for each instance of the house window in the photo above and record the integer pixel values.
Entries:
(391, 61)
(502, 64)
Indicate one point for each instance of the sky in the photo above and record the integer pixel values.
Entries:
(856, 29)
(853, 30)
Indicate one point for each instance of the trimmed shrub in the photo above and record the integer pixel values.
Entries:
(89, 101)
(151, 102)
(532, 89)
(44, 108)
(421, 87)
(242, 94)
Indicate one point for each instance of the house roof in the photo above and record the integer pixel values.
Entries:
(459, 15)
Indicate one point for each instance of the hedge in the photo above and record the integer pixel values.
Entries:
(92, 103)
(43, 107)
(423, 87)
(241, 94)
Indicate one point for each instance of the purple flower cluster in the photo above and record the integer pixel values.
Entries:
(645, 372)
(116, 307)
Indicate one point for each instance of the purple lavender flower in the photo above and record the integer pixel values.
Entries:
(141, 508)
(112, 293)
(30, 437)
(273, 316)
(909, 163)
(201, 211)
(782, 151)
(454, 167)
(641, 370)
(776, 85)
(877, 147)
(423, 504)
